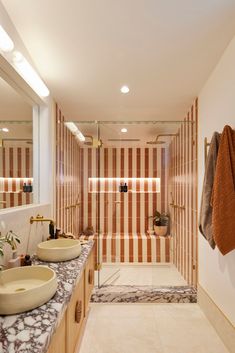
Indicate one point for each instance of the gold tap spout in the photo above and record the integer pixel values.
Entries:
(39, 218)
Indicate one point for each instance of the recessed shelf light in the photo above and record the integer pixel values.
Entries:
(6, 44)
(123, 129)
(124, 89)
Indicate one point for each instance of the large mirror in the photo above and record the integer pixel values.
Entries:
(16, 148)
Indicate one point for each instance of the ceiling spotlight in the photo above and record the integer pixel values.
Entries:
(6, 44)
(123, 129)
(4, 129)
(124, 89)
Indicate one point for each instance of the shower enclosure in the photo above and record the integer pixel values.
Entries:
(128, 171)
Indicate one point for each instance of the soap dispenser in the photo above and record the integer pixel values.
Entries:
(125, 188)
(51, 230)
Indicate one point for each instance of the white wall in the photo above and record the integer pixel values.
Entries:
(17, 220)
(216, 109)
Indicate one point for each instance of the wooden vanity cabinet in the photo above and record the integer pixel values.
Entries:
(68, 335)
(58, 342)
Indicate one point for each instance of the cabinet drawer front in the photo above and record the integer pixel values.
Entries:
(89, 277)
(75, 316)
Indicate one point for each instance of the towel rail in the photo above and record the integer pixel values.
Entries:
(206, 145)
(181, 207)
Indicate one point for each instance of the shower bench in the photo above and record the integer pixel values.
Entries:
(132, 248)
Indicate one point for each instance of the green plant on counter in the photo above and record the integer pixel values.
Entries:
(11, 239)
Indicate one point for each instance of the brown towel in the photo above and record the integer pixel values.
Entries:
(205, 219)
(223, 195)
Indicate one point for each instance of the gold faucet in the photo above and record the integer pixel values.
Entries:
(39, 218)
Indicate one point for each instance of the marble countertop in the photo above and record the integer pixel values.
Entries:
(32, 331)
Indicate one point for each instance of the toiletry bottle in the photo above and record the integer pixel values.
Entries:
(15, 261)
(121, 187)
(22, 256)
(27, 261)
(24, 187)
(52, 230)
(125, 188)
(57, 233)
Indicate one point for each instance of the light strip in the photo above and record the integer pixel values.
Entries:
(111, 185)
(75, 131)
(124, 179)
(29, 74)
(12, 178)
(6, 43)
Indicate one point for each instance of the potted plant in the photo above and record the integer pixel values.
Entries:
(10, 238)
(160, 223)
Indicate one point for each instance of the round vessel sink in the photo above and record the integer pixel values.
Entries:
(26, 288)
(59, 250)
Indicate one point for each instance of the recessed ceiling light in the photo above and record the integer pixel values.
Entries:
(4, 129)
(124, 89)
(123, 129)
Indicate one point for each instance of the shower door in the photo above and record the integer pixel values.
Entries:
(93, 219)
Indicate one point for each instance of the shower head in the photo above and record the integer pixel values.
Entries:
(159, 142)
(155, 142)
(93, 142)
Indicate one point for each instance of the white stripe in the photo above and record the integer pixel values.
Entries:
(144, 248)
(162, 249)
(126, 248)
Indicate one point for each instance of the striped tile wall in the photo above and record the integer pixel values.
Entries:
(67, 177)
(122, 212)
(16, 165)
(183, 190)
(123, 220)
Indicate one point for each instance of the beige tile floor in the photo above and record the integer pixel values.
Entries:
(149, 328)
(157, 275)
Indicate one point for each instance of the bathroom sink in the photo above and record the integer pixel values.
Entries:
(26, 288)
(59, 250)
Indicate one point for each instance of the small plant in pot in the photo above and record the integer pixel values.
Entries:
(160, 223)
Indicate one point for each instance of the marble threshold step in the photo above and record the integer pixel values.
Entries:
(144, 294)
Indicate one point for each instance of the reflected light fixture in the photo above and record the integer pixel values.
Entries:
(6, 43)
(4, 129)
(123, 129)
(124, 89)
(29, 74)
(75, 131)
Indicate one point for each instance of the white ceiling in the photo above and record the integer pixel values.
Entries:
(137, 135)
(163, 49)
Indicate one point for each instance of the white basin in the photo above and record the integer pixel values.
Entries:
(59, 250)
(26, 288)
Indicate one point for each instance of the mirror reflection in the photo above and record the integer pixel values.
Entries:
(16, 148)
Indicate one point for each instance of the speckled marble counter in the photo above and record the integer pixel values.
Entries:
(31, 332)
